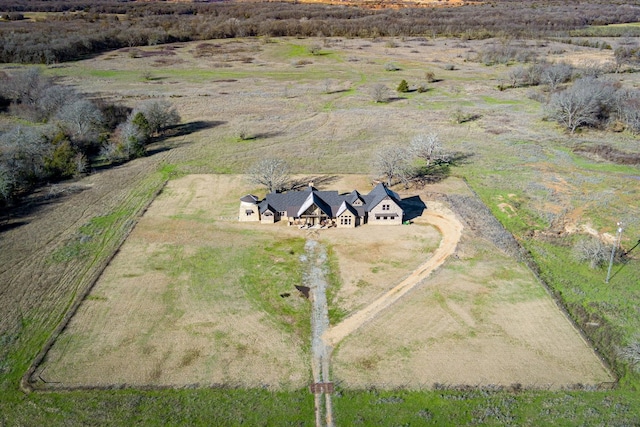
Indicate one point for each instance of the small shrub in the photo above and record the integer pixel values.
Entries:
(379, 93)
(430, 76)
(631, 354)
(315, 49)
(422, 88)
(390, 66)
(460, 116)
(301, 62)
(403, 87)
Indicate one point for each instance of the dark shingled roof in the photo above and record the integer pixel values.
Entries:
(249, 198)
(328, 201)
(378, 194)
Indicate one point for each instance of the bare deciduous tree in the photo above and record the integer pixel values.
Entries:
(516, 75)
(627, 106)
(631, 353)
(427, 147)
(380, 93)
(273, 173)
(82, 118)
(556, 74)
(25, 87)
(53, 99)
(23, 151)
(584, 103)
(131, 139)
(7, 182)
(392, 163)
(591, 250)
(159, 114)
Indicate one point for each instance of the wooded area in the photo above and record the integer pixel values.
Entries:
(68, 30)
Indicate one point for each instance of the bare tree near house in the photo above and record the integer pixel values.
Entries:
(428, 148)
(273, 173)
(392, 163)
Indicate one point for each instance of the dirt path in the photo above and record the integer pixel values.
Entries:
(451, 230)
(315, 278)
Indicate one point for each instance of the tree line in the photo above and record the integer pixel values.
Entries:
(100, 25)
(63, 130)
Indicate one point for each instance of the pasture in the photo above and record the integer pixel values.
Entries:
(316, 111)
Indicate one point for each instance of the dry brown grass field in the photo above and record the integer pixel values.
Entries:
(482, 320)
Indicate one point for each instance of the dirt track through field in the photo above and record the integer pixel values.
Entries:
(451, 230)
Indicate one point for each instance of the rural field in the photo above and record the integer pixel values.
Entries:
(175, 308)
(172, 309)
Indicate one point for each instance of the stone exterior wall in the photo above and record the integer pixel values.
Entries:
(387, 212)
(245, 208)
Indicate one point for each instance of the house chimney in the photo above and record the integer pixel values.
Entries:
(310, 184)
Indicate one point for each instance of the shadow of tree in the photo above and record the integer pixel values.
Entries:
(182, 129)
(14, 216)
(316, 180)
(624, 259)
(440, 169)
(262, 135)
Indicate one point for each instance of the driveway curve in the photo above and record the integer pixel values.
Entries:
(451, 230)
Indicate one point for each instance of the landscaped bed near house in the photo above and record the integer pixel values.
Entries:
(196, 298)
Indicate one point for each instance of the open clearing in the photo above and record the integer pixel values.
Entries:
(156, 318)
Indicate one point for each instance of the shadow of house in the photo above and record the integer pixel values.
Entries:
(303, 182)
(413, 207)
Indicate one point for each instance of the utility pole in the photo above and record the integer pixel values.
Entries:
(613, 251)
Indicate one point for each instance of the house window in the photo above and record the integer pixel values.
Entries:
(248, 212)
(282, 213)
(384, 217)
(385, 208)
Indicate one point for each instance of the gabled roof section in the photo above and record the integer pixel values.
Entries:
(353, 196)
(346, 207)
(264, 206)
(378, 194)
(314, 199)
(250, 198)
